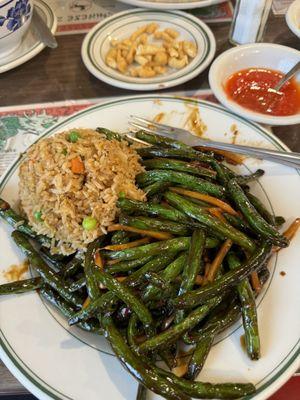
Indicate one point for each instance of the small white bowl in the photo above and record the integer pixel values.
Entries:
(97, 43)
(257, 55)
(15, 18)
(293, 17)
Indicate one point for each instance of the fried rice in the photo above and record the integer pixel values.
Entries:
(56, 196)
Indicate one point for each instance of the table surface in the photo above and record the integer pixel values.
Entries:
(59, 74)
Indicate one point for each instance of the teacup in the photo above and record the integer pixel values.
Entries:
(15, 17)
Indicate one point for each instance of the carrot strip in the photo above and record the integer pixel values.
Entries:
(154, 234)
(290, 232)
(98, 260)
(117, 247)
(216, 212)
(232, 158)
(205, 197)
(77, 165)
(215, 265)
(199, 280)
(255, 282)
(86, 302)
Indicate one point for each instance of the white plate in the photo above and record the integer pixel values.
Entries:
(293, 17)
(120, 26)
(55, 362)
(30, 45)
(172, 4)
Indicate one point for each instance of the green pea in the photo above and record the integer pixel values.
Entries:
(122, 195)
(38, 215)
(64, 152)
(73, 136)
(89, 223)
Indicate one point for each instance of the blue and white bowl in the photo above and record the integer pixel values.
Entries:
(15, 17)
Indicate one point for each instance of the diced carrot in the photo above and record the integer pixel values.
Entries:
(205, 197)
(77, 165)
(154, 234)
(118, 247)
(216, 264)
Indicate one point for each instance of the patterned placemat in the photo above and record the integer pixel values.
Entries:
(78, 16)
(20, 125)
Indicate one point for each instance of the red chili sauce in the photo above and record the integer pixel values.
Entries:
(249, 88)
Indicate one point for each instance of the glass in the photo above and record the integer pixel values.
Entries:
(249, 21)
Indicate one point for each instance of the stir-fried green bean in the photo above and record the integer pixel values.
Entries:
(249, 312)
(231, 278)
(23, 286)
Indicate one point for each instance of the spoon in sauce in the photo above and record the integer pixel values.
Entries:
(278, 86)
(286, 78)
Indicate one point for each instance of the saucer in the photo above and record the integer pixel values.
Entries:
(30, 45)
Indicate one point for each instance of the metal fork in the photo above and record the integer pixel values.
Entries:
(287, 158)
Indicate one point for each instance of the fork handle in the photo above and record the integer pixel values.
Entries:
(289, 159)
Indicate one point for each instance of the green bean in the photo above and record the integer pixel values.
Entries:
(244, 179)
(67, 310)
(180, 178)
(154, 265)
(127, 296)
(254, 219)
(170, 245)
(23, 286)
(279, 220)
(158, 140)
(249, 312)
(238, 222)
(199, 356)
(157, 210)
(90, 268)
(140, 370)
(231, 278)
(141, 393)
(150, 152)
(260, 208)
(77, 285)
(110, 135)
(107, 301)
(176, 331)
(178, 165)
(20, 224)
(154, 224)
(211, 222)
(169, 274)
(192, 267)
(55, 260)
(219, 320)
(120, 237)
(50, 277)
(205, 390)
(157, 281)
(72, 267)
(126, 266)
(223, 173)
(156, 188)
(132, 330)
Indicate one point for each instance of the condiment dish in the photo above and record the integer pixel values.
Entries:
(258, 55)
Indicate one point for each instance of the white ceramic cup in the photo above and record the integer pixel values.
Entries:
(15, 17)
